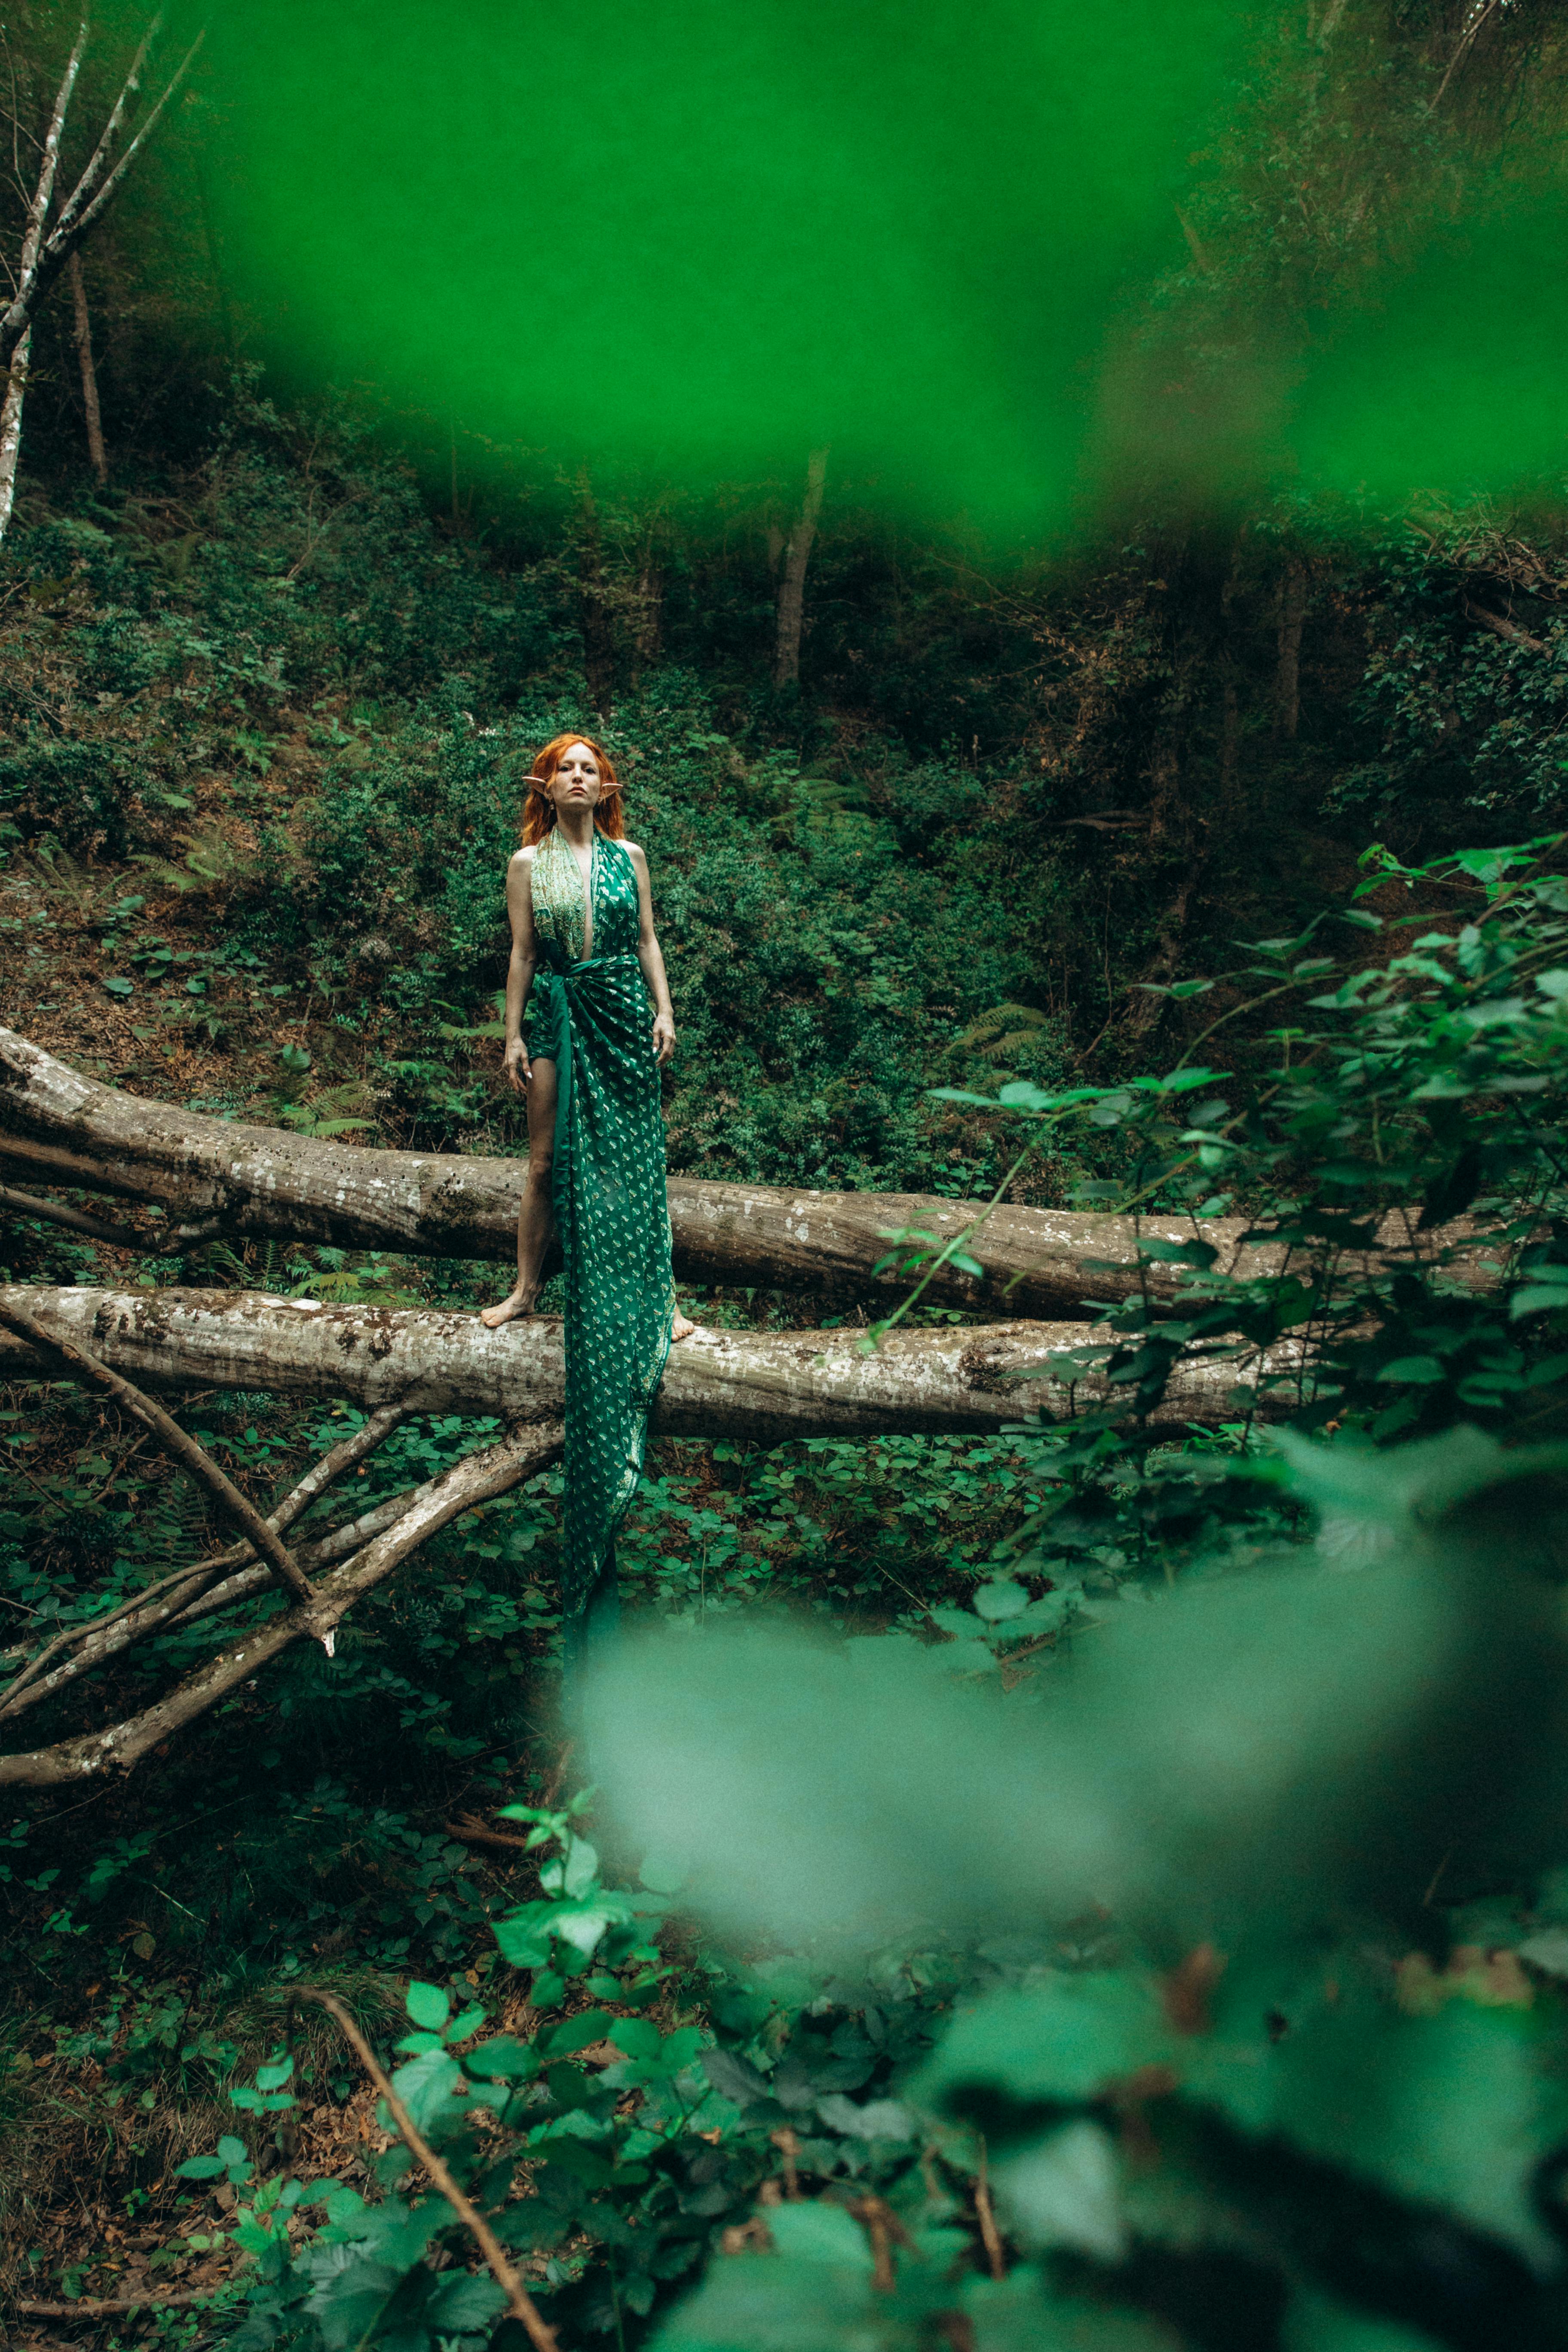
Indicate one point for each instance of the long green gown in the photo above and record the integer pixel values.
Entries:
(593, 1018)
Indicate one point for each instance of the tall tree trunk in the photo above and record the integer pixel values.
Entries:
(792, 587)
(95, 448)
(11, 428)
(593, 611)
(1288, 674)
(648, 628)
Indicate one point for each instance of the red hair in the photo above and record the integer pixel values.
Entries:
(538, 809)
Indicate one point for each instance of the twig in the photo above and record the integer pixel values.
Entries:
(476, 1479)
(885, 2230)
(1502, 627)
(26, 1204)
(180, 1592)
(788, 2148)
(469, 1832)
(520, 2303)
(986, 2213)
(879, 1331)
(88, 2306)
(1467, 41)
(76, 1364)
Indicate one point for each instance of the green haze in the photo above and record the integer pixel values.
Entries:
(695, 239)
(701, 237)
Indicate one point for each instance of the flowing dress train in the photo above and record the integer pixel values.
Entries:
(592, 1017)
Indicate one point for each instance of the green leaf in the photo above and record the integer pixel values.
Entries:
(118, 988)
(200, 2168)
(665, 1873)
(1536, 1299)
(1000, 1598)
(521, 1943)
(1066, 2041)
(463, 2304)
(815, 2232)
(428, 2005)
(637, 2037)
(1198, 1254)
(513, 2061)
(1417, 1371)
(428, 2086)
(576, 2033)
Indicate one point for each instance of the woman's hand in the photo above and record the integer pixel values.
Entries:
(518, 1068)
(663, 1037)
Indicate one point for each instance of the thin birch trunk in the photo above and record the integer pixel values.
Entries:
(11, 428)
(95, 448)
(792, 587)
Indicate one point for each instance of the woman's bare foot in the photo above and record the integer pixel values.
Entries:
(681, 1329)
(521, 1303)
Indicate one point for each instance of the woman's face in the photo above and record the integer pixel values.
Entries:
(577, 781)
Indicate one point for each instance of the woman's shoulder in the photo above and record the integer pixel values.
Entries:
(522, 859)
(635, 851)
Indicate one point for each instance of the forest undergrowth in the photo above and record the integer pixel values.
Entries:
(262, 726)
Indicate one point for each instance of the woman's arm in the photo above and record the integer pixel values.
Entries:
(522, 964)
(652, 961)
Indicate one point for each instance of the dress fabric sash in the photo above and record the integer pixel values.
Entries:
(608, 1192)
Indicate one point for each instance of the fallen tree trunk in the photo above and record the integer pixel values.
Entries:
(766, 1387)
(217, 1174)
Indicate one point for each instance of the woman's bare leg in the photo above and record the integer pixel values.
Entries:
(535, 1218)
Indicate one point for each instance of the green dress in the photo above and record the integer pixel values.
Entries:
(593, 1019)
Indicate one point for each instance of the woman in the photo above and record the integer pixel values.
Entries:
(577, 893)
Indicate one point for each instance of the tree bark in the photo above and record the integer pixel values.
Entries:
(11, 428)
(792, 587)
(766, 1387)
(95, 448)
(268, 1182)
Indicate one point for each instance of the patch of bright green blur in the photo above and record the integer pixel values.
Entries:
(697, 237)
(1451, 378)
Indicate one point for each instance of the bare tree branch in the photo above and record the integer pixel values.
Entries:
(478, 1478)
(520, 2303)
(72, 224)
(56, 1212)
(196, 1590)
(70, 1361)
